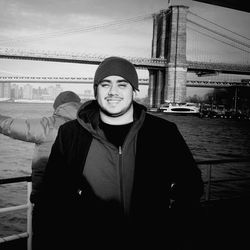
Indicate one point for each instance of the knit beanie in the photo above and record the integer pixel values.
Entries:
(64, 97)
(116, 66)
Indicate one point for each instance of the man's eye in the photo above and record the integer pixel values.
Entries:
(123, 85)
(104, 85)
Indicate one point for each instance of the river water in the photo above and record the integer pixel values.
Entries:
(208, 139)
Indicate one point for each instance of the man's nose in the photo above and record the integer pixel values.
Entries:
(113, 89)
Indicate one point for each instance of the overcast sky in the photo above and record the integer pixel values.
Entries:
(101, 27)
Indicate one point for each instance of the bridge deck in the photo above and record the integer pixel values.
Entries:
(149, 63)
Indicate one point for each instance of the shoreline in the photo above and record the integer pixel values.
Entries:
(25, 101)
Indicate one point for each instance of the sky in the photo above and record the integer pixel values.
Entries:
(104, 27)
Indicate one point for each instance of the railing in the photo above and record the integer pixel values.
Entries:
(208, 181)
(27, 206)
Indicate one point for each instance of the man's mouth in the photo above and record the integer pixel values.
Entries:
(113, 100)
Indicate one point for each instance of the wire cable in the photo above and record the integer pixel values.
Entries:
(205, 34)
(67, 32)
(216, 24)
(218, 33)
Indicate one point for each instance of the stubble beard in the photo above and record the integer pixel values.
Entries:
(122, 112)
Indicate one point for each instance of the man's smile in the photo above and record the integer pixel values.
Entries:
(113, 100)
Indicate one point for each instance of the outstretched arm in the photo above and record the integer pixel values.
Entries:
(29, 130)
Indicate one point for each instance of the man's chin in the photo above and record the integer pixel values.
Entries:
(113, 113)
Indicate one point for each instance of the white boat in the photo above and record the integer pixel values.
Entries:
(180, 108)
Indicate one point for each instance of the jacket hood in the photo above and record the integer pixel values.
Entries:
(68, 110)
(88, 116)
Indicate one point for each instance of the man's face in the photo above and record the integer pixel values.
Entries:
(114, 95)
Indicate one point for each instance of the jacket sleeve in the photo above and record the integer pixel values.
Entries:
(187, 187)
(29, 130)
(187, 216)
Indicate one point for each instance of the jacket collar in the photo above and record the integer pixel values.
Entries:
(89, 115)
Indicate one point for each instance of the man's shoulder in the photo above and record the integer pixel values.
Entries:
(72, 127)
(69, 124)
(157, 121)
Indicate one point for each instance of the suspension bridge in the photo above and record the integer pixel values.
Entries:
(172, 55)
(149, 63)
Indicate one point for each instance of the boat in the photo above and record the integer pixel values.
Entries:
(187, 108)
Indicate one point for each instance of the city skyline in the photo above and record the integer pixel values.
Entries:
(85, 91)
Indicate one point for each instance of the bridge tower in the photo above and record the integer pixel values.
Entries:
(169, 42)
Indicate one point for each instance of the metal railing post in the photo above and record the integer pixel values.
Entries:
(28, 205)
(29, 216)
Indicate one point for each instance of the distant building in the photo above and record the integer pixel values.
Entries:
(15, 91)
(53, 91)
(1, 90)
(88, 94)
(27, 92)
(58, 90)
(5, 90)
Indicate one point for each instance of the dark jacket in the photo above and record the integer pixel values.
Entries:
(74, 211)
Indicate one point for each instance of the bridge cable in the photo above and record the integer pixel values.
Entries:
(81, 30)
(219, 25)
(225, 36)
(205, 34)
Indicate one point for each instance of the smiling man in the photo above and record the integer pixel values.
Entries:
(115, 97)
(109, 177)
(114, 83)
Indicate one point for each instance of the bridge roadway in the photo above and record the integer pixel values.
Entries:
(142, 81)
(50, 79)
(77, 58)
(149, 63)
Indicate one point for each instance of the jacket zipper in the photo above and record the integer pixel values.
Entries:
(121, 180)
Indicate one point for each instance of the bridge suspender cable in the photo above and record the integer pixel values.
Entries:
(234, 46)
(218, 33)
(216, 24)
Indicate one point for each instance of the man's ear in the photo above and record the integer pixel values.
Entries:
(134, 94)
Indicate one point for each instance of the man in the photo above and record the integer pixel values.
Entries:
(42, 132)
(110, 172)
